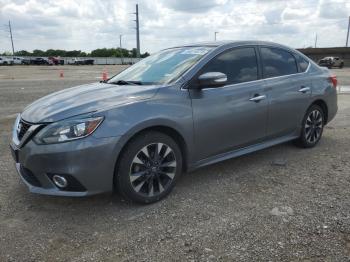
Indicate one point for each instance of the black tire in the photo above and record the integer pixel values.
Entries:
(145, 179)
(312, 127)
(341, 65)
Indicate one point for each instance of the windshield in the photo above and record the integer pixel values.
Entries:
(161, 68)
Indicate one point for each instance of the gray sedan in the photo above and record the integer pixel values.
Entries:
(177, 110)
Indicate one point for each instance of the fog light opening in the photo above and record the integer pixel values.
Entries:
(59, 181)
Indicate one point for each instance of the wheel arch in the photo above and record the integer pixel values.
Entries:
(321, 103)
(165, 129)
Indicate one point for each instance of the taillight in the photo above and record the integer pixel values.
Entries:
(333, 80)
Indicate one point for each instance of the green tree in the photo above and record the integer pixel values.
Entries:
(38, 52)
(22, 53)
(134, 52)
(145, 54)
(100, 52)
(7, 53)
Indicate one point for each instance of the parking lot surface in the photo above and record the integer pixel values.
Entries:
(279, 204)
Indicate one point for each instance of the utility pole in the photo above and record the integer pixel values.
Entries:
(347, 35)
(215, 33)
(316, 40)
(121, 49)
(13, 49)
(137, 31)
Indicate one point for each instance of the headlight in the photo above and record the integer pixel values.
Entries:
(67, 130)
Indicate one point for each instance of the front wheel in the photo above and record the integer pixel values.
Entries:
(312, 127)
(148, 168)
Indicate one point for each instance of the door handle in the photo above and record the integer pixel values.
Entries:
(304, 89)
(257, 98)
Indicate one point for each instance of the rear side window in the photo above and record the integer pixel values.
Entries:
(302, 63)
(239, 64)
(277, 62)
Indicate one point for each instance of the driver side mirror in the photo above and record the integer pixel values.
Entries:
(212, 79)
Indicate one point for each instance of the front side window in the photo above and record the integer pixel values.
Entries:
(163, 67)
(277, 62)
(239, 64)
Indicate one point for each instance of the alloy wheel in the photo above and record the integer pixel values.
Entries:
(153, 169)
(313, 126)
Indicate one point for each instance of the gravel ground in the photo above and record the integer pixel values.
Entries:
(279, 204)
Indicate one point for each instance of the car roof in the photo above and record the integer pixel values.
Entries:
(232, 43)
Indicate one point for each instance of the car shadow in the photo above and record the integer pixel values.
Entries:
(222, 170)
(247, 175)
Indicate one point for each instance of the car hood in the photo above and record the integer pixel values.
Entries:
(84, 99)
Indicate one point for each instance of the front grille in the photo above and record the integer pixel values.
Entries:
(29, 177)
(22, 129)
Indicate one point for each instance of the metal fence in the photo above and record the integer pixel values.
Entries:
(105, 60)
(97, 60)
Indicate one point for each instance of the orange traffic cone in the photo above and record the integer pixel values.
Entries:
(104, 75)
(61, 74)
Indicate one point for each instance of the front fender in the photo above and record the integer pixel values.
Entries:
(170, 108)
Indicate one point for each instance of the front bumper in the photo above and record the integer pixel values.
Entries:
(90, 161)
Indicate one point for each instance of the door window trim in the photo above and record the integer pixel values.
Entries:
(260, 67)
(306, 71)
(285, 50)
(259, 72)
(299, 68)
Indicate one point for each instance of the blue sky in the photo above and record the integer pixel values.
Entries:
(87, 24)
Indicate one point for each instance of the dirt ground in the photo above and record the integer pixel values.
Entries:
(279, 204)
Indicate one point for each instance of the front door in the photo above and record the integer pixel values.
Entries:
(232, 116)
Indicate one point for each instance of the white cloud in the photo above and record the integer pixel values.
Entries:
(333, 9)
(89, 24)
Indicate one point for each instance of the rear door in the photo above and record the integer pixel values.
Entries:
(288, 89)
(225, 118)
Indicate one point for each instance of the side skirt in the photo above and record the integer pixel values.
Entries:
(241, 151)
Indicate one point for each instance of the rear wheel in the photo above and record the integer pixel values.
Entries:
(148, 167)
(312, 127)
(341, 65)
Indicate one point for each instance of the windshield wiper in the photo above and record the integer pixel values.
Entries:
(124, 82)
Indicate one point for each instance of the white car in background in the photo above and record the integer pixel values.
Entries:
(331, 62)
(18, 60)
(6, 61)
